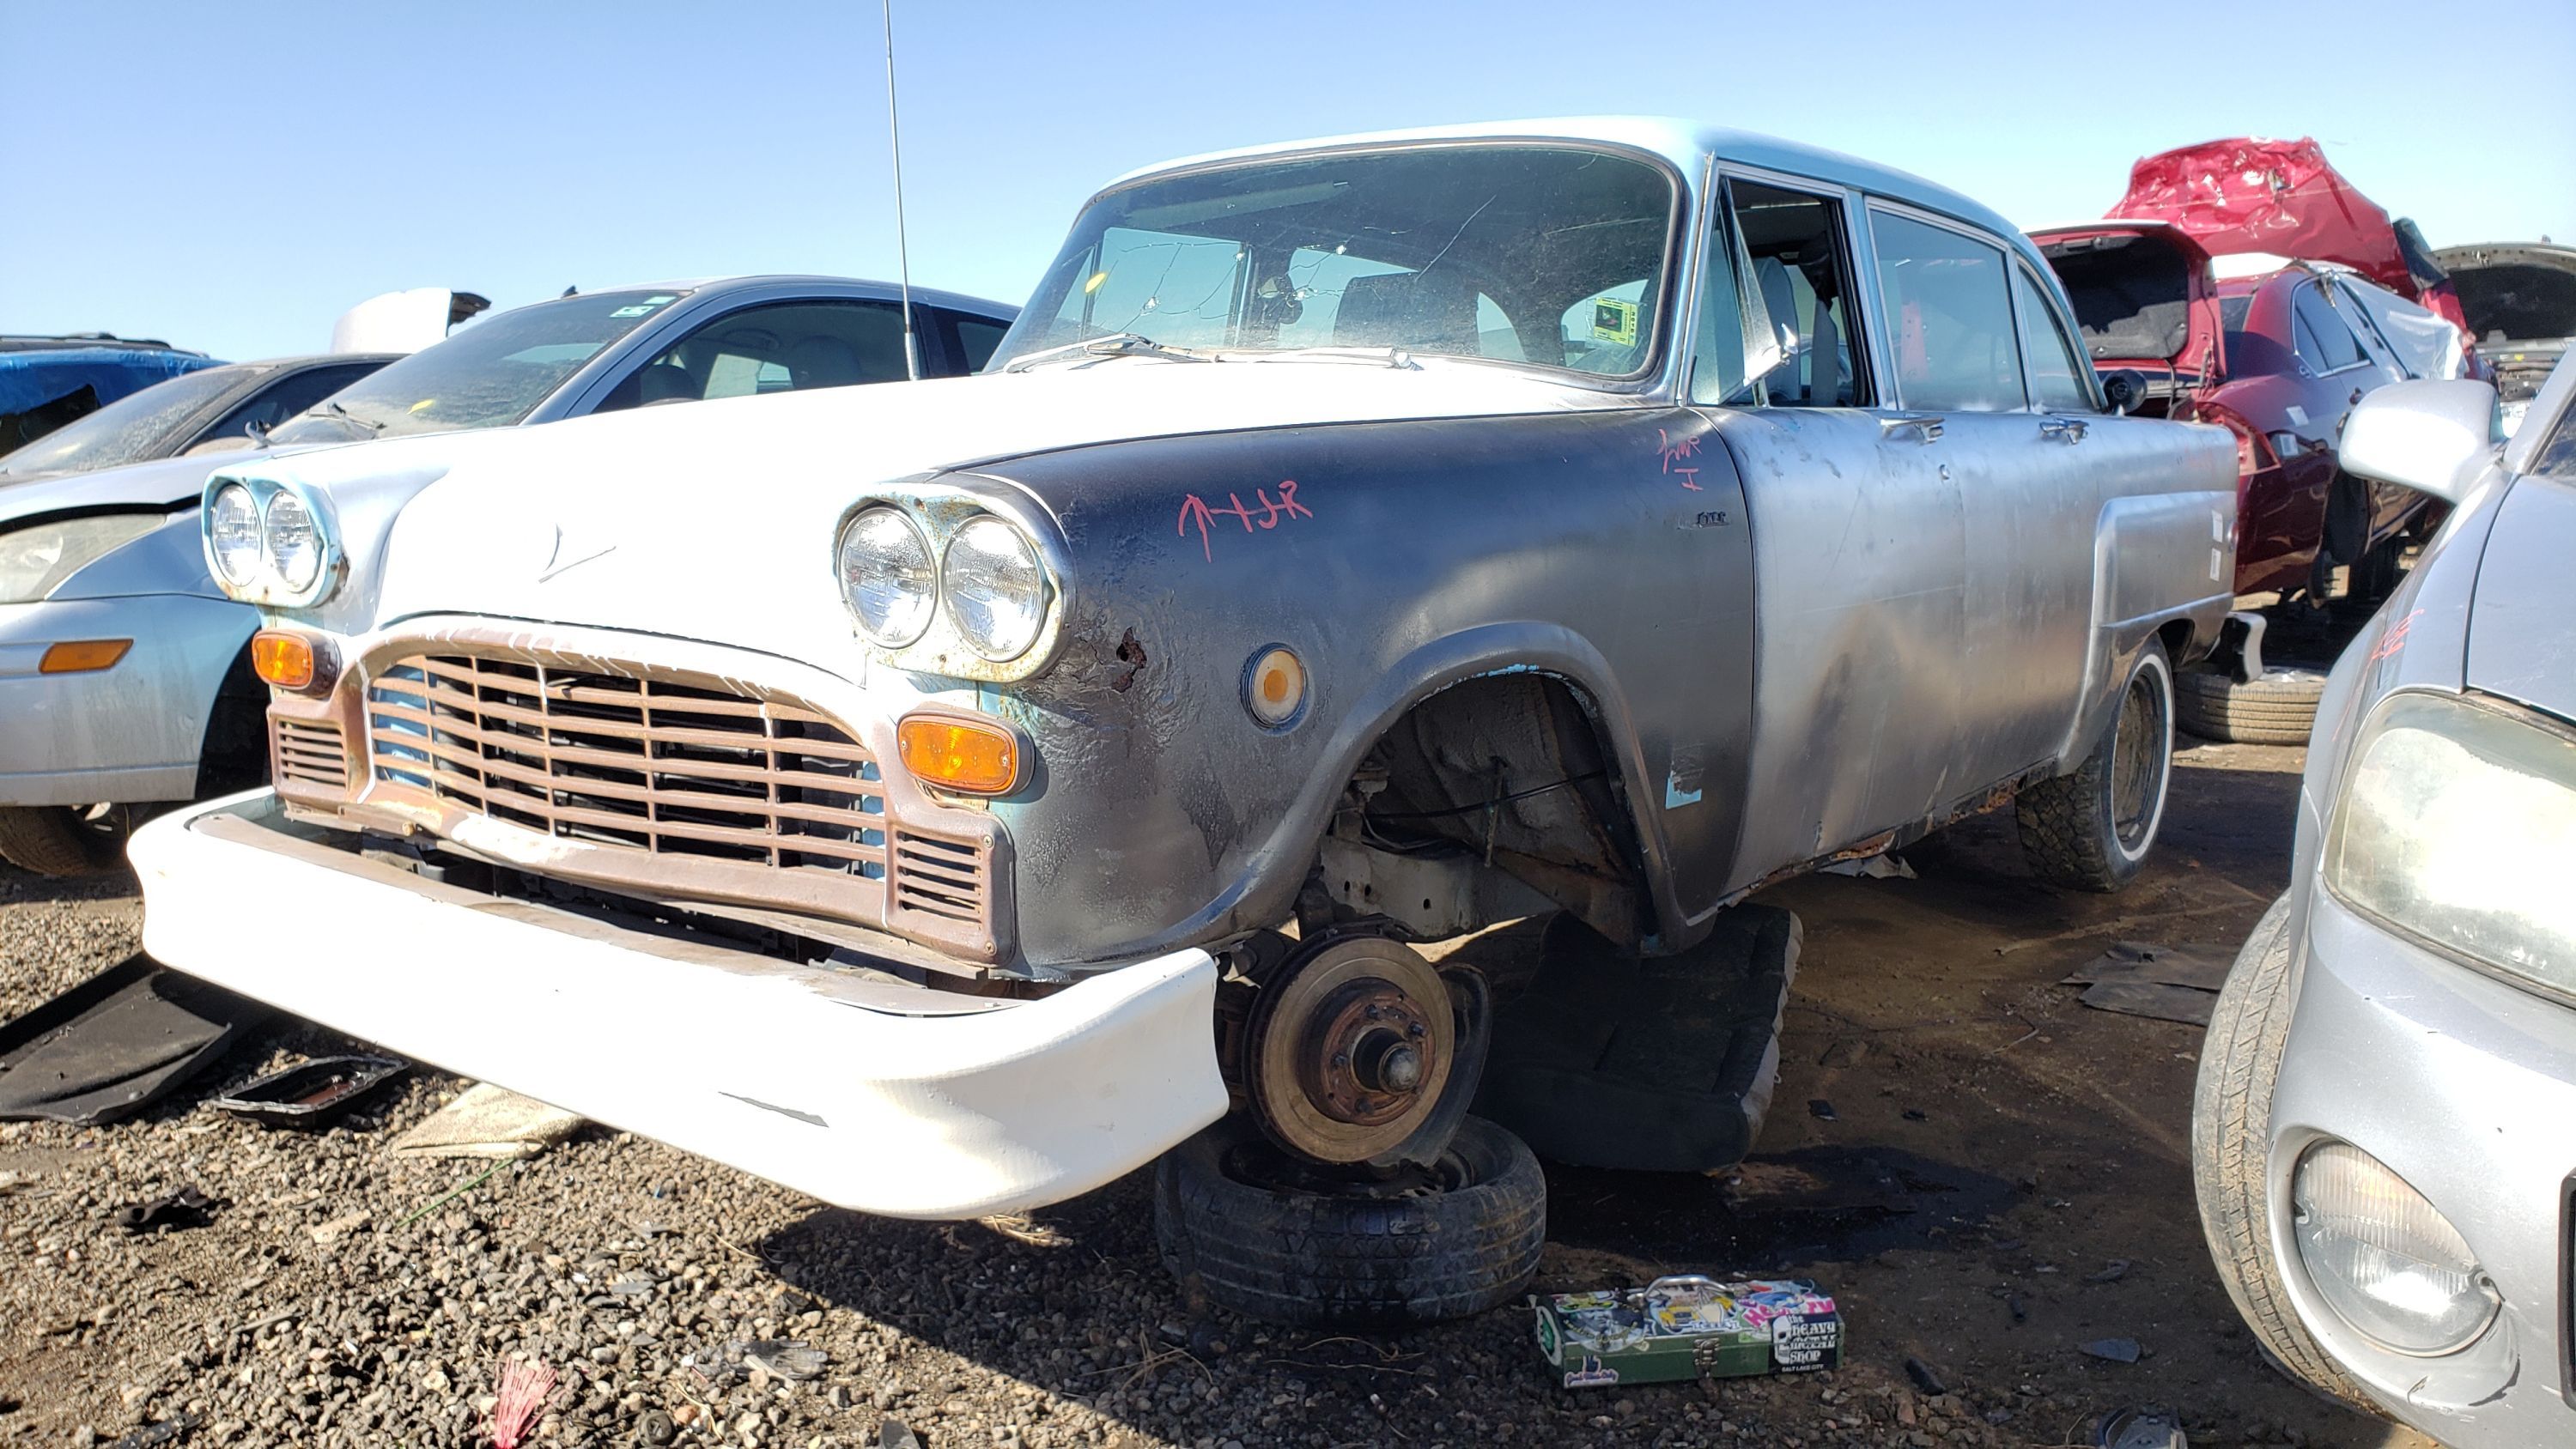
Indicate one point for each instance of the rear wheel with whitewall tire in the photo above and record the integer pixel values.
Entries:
(2278, 709)
(1251, 1229)
(2092, 829)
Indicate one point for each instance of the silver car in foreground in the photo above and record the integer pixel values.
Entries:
(2384, 1139)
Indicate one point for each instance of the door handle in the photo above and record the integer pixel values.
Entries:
(2064, 430)
(1927, 428)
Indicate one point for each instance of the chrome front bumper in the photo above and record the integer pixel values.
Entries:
(888, 1099)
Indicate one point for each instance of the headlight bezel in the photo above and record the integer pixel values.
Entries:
(125, 526)
(2333, 1289)
(267, 584)
(940, 510)
(2337, 877)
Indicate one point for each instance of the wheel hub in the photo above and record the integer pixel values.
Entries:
(1349, 1049)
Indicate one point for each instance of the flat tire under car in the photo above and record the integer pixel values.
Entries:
(2278, 709)
(1247, 1228)
(2231, 1116)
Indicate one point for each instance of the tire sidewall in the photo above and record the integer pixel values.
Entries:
(2124, 860)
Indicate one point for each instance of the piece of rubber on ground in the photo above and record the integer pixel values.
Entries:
(1662, 1065)
(113, 1044)
(2278, 709)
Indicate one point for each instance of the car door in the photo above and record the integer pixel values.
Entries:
(2027, 494)
(1858, 543)
(2391, 504)
(2338, 375)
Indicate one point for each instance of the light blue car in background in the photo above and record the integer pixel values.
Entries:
(125, 681)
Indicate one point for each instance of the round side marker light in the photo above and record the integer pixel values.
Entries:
(1274, 686)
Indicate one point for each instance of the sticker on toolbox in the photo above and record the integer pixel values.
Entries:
(1802, 1341)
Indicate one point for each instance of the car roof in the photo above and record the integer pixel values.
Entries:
(1685, 144)
(882, 291)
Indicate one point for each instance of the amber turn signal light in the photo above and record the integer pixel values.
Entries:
(290, 661)
(970, 756)
(82, 656)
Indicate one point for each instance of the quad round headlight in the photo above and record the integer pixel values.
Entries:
(996, 588)
(887, 576)
(294, 542)
(233, 526)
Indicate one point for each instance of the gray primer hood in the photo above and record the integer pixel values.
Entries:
(2521, 644)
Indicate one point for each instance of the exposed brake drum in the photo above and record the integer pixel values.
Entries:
(1360, 1053)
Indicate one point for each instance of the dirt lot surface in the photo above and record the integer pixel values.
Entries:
(1992, 1176)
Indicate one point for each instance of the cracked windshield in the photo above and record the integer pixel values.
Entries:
(1515, 254)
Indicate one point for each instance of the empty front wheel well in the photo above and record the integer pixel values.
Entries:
(1515, 770)
(234, 754)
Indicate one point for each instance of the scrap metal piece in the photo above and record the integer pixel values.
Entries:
(486, 1121)
(311, 1092)
(115, 1043)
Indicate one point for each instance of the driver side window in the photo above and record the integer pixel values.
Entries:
(778, 347)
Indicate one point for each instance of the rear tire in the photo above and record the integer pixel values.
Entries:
(2278, 709)
(2092, 830)
(58, 840)
(2231, 1119)
(1238, 1224)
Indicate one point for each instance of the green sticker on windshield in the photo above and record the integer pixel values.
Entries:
(1614, 321)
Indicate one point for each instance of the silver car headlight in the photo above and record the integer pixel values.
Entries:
(995, 587)
(36, 559)
(2457, 821)
(887, 576)
(2383, 1258)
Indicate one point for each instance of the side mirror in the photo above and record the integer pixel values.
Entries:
(2434, 436)
(2124, 388)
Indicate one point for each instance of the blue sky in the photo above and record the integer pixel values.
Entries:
(230, 177)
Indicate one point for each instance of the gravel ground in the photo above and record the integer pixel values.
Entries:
(339, 1296)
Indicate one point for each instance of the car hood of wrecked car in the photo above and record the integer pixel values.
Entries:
(718, 520)
(164, 483)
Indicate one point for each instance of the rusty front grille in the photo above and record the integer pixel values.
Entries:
(630, 762)
(311, 753)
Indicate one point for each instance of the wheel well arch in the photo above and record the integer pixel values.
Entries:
(1523, 765)
(233, 755)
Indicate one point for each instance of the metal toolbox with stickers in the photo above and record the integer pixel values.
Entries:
(1689, 1327)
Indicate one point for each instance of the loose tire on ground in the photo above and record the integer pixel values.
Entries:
(56, 840)
(2092, 830)
(1312, 1258)
(2278, 709)
(2231, 1118)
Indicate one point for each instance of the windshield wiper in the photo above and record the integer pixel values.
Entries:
(1385, 356)
(1111, 344)
(335, 405)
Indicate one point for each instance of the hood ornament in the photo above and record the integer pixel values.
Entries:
(571, 551)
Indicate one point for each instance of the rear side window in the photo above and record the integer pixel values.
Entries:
(781, 347)
(1949, 317)
(2325, 344)
(972, 339)
(2057, 373)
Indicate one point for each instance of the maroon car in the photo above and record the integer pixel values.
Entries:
(2277, 360)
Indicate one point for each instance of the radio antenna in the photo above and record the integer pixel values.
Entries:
(902, 248)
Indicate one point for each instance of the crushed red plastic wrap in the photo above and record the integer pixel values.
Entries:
(524, 1387)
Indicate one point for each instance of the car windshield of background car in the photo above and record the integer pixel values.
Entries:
(488, 374)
